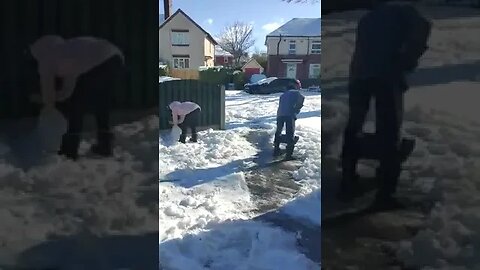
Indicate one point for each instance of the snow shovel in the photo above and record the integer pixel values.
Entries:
(175, 133)
(51, 126)
(369, 148)
(283, 139)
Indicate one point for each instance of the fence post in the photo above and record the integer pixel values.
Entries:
(222, 107)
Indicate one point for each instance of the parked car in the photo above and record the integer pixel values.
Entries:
(314, 88)
(270, 85)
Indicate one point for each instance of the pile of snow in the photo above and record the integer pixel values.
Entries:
(217, 68)
(201, 183)
(166, 79)
(235, 245)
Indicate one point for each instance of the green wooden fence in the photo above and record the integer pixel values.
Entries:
(210, 97)
(131, 25)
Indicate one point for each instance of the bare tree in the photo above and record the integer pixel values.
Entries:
(237, 39)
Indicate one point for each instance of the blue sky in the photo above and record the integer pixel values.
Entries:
(266, 15)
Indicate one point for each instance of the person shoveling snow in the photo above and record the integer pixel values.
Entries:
(290, 104)
(88, 68)
(185, 115)
(390, 40)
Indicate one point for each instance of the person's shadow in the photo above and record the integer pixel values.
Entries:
(188, 178)
(85, 251)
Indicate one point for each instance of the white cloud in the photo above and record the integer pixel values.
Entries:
(210, 21)
(270, 27)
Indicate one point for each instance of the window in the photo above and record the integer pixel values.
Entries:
(292, 47)
(181, 62)
(180, 38)
(316, 47)
(225, 59)
(314, 71)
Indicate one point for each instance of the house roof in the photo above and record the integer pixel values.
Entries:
(298, 27)
(220, 52)
(190, 19)
(252, 60)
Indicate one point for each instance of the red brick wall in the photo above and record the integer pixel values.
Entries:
(276, 68)
(220, 60)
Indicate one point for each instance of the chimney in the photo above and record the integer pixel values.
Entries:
(167, 8)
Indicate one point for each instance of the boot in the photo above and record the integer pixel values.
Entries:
(406, 148)
(194, 138)
(69, 146)
(104, 145)
(289, 154)
(276, 150)
(182, 138)
(350, 187)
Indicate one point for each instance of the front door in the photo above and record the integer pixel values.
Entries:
(292, 70)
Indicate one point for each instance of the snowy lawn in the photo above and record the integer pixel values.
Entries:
(206, 205)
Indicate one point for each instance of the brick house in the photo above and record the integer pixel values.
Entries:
(293, 50)
(223, 58)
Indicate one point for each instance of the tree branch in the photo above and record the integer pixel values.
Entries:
(237, 39)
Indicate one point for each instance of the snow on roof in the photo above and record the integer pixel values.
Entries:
(220, 52)
(299, 27)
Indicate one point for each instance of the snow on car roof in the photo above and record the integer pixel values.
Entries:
(266, 80)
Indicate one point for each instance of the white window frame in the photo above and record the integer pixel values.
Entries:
(179, 38)
(181, 62)
(315, 50)
(311, 73)
(294, 50)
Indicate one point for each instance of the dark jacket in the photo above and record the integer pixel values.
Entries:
(390, 40)
(290, 104)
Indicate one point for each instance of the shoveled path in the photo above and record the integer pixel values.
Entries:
(270, 185)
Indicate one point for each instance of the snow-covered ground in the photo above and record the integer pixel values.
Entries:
(51, 197)
(440, 108)
(206, 202)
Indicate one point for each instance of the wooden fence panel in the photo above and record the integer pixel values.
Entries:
(185, 74)
(210, 97)
(131, 25)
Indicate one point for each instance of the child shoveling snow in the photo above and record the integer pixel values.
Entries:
(185, 115)
(88, 68)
